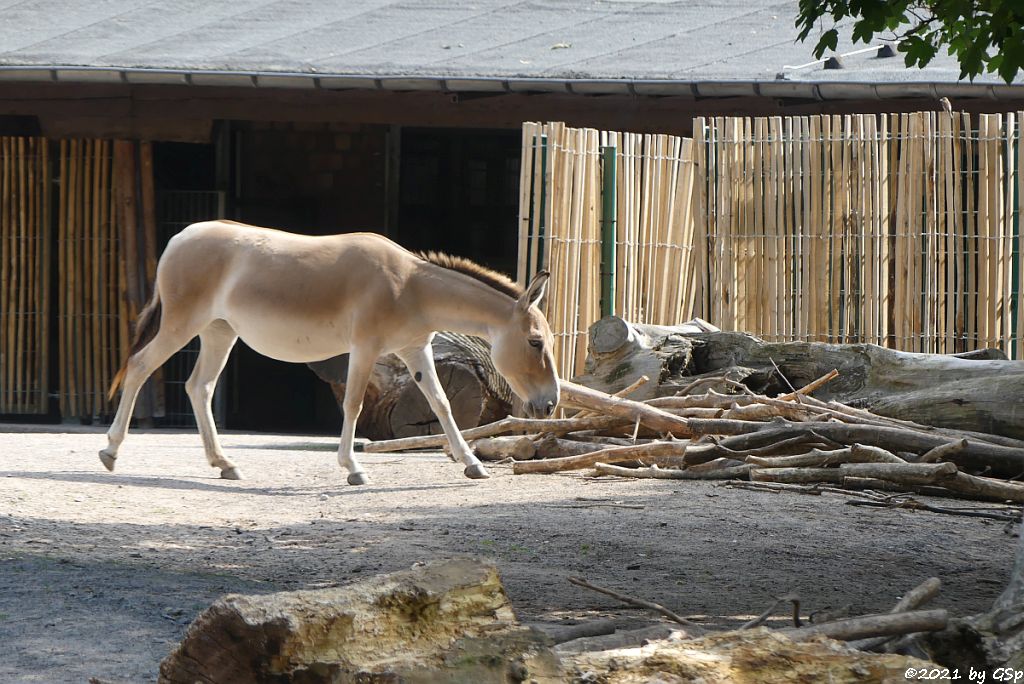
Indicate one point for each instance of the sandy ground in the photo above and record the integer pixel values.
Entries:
(100, 573)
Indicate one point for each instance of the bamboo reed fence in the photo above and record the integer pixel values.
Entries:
(560, 228)
(901, 230)
(24, 274)
(104, 264)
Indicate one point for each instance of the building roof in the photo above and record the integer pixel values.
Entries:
(718, 47)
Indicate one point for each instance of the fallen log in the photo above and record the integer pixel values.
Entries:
(627, 638)
(656, 473)
(550, 446)
(394, 405)
(888, 624)
(901, 473)
(943, 451)
(796, 475)
(501, 448)
(443, 621)
(857, 453)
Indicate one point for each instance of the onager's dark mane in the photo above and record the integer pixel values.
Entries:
(498, 281)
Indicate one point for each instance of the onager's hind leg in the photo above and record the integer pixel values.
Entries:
(216, 342)
(420, 361)
(138, 368)
(360, 365)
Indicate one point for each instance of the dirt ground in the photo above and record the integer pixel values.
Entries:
(100, 573)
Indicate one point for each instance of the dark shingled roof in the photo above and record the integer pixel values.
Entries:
(718, 47)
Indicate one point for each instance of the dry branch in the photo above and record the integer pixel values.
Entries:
(640, 603)
(506, 425)
(633, 411)
(650, 453)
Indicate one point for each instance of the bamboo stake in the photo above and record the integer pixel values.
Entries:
(1006, 187)
(104, 311)
(525, 166)
(72, 348)
(1019, 352)
(87, 304)
(985, 289)
(62, 222)
(6, 244)
(45, 233)
(32, 389)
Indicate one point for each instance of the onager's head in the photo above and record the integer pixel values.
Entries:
(522, 352)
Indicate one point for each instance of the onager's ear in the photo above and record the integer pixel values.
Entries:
(534, 291)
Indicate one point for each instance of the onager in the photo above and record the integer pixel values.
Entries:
(301, 298)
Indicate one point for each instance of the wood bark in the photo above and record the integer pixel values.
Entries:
(394, 405)
(977, 392)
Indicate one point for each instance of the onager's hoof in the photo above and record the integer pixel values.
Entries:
(232, 473)
(476, 472)
(107, 460)
(357, 479)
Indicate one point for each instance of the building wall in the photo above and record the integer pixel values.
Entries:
(316, 178)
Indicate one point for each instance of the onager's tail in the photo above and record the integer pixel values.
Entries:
(146, 327)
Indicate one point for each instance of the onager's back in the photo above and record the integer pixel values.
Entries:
(302, 298)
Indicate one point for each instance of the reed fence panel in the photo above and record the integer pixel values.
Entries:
(24, 275)
(560, 228)
(901, 230)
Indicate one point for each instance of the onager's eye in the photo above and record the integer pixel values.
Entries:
(536, 344)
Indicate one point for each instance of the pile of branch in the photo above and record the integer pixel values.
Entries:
(793, 439)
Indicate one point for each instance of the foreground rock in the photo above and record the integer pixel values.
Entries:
(451, 621)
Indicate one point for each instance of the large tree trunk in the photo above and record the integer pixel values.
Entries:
(978, 391)
(395, 407)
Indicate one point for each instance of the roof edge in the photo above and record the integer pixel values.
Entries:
(698, 88)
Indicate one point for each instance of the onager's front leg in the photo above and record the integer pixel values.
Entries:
(420, 361)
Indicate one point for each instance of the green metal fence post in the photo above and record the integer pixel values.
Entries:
(543, 202)
(608, 232)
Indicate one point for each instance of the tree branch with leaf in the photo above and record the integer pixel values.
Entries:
(985, 36)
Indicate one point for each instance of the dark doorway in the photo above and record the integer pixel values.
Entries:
(317, 179)
(185, 181)
(459, 193)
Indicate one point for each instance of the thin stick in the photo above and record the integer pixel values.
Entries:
(506, 425)
(624, 392)
(763, 617)
(915, 505)
(639, 603)
(809, 387)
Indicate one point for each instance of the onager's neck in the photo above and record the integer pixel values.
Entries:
(459, 303)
